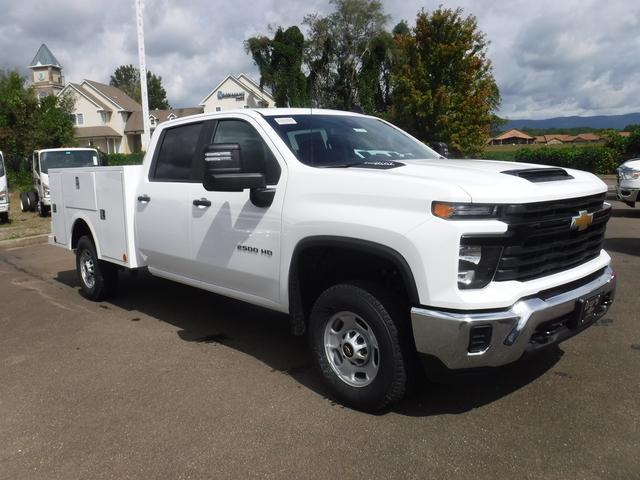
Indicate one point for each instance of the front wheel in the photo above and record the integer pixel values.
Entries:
(98, 279)
(356, 344)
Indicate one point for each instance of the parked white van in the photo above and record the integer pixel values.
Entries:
(4, 192)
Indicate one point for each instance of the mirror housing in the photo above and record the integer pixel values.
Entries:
(223, 170)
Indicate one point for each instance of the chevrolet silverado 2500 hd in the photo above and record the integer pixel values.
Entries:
(378, 248)
(39, 200)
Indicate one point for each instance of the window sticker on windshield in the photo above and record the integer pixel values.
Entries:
(360, 130)
(95, 160)
(285, 121)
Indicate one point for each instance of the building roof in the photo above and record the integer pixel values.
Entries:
(85, 93)
(44, 58)
(134, 123)
(95, 132)
(513, 133)
(115, 95)
(244, 82)
(587, 137)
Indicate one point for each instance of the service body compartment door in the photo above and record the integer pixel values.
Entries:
(79, 190)
(58, 217)
(111, 220)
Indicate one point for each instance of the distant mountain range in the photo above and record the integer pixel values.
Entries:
(599, 121)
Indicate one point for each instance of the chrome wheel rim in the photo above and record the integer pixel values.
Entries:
(351, 349)
(87, 269)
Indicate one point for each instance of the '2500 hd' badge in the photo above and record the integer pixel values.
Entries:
(255, 250)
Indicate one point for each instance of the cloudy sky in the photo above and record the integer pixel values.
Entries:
(551, 57)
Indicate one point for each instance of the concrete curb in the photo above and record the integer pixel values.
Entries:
(24, 241)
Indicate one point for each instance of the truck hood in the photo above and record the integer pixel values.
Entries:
(485, 181)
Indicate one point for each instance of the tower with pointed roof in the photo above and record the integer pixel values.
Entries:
(46, 73)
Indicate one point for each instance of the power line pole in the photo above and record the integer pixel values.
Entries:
(146, 136)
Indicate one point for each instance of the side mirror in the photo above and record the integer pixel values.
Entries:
(440, 147)
(223, 170)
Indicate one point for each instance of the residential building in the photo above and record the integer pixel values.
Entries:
(134, 125)
(100, 116)
(512, 137)
(237, 92)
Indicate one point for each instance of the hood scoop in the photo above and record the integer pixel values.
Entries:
(537, 175)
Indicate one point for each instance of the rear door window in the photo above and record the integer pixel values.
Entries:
(177, 153)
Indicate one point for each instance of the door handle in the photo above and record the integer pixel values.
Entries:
(202, 202)
(144, 198)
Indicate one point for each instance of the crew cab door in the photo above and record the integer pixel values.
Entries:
(163, 201)
(235, 244)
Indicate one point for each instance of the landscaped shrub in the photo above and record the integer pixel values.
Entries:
(593, 158)
(123, 159)
(20, 180)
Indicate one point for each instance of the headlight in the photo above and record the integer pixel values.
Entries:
(477, 265)
(3, 196)
(464, 211)
(628, 174)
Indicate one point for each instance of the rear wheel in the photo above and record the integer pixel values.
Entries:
(356, 342)
(33, 201)
(98, 279)
(24, 202)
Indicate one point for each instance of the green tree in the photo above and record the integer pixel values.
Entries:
(127, 79)
(26, 123)
(347, 51)
(280, 62)
(443, 85)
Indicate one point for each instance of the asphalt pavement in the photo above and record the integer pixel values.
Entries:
(167, 381)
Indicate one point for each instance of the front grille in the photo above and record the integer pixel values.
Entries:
(539, 240)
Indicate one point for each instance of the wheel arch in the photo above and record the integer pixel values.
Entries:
(81, 227)
(298, 310)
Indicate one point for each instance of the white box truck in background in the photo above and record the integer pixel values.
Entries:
(40, 200)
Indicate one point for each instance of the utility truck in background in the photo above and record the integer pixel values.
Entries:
(4, 192)
(39, 199)
(382, 251)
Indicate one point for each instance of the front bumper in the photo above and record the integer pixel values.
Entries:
(531, 323)
(628, 195)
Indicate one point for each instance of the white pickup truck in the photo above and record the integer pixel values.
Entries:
(378, 248)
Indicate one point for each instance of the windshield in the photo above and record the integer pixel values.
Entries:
(1, 165)
(67, 159)
(342, 140)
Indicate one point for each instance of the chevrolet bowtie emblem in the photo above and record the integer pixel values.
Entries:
(582, 221)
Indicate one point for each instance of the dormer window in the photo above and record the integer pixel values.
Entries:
(171, 116)
(152, 120)
(106, 117)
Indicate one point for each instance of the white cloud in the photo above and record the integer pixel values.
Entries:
(550, 58)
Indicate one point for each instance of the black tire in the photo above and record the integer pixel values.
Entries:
(24, 202)
(383, 317)
(42, 209)
(33, 200)
(104, 274)
(4, 217)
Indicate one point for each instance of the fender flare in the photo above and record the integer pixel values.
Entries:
(297, 319)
